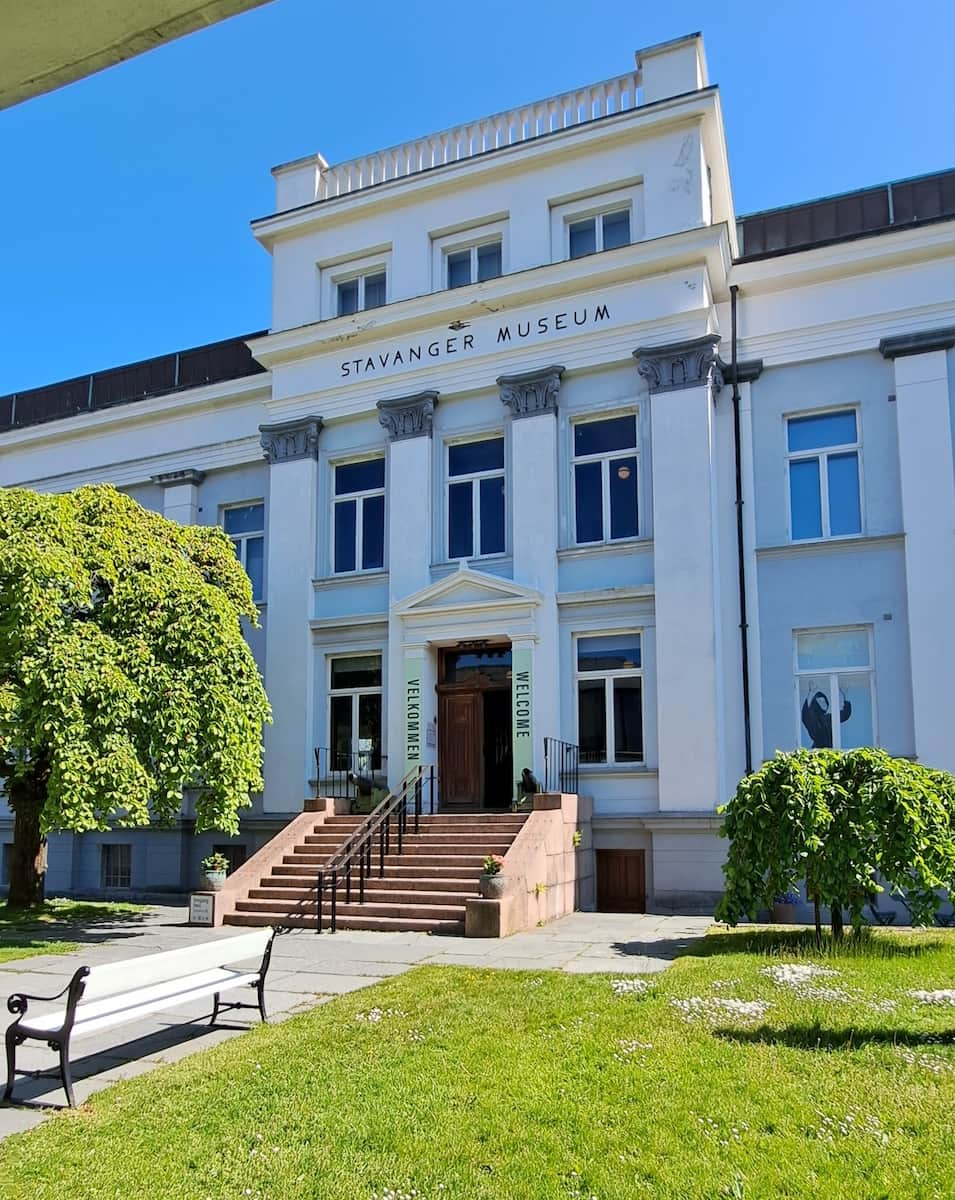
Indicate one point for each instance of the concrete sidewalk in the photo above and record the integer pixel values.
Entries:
(306, 970)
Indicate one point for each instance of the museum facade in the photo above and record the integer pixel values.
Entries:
(546, 450)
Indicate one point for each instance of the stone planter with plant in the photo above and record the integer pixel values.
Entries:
(214, 868)
(492, 882)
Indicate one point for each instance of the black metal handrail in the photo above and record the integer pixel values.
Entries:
(561, 766)
(387, 825)
(343, 775)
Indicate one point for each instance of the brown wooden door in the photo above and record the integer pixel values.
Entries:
(621, 881)
(459, 749)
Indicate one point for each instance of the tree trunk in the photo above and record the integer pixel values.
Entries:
(28, 855)
(817, 914)
(836, 921)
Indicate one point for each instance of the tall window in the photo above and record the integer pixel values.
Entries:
(834, 680)
(245, 525)
(367, 290)
(610, 699)
(354, 711)
(604, 231)
(473, 264)
(359, 516)
(476, 498)
(605, 479)
(115, 865)
(824, 475)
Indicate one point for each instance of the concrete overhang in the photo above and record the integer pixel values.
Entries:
(48, 43)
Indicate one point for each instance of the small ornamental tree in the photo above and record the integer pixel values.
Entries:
(124, 674)
(842, 823)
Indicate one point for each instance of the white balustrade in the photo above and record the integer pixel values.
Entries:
(522, 124)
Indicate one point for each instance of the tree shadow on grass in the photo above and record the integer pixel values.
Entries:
(83, 923)
(773, 943)
(816, 1037)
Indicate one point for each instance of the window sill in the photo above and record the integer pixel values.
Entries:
(350, 577)
(623, 546)
(608, 770)
(830, 545)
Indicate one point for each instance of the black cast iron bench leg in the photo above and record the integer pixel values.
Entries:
(64, 1049)
(12, 1042)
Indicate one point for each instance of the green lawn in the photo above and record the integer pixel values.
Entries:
(46, 930)
(456, 1084)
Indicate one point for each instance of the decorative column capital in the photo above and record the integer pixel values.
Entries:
(923, 342)
(408, 416)
(285, 441)
(532, 392)
(179, 478)
(693, 363)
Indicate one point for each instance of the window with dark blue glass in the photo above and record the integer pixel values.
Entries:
(824, 493)
(245, 525)
(359, 516)
(476, 498)
(606, 506)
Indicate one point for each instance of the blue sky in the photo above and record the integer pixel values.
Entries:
(127, 197)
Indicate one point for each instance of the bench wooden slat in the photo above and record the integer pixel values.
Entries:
(128, 1006)
(109, 978)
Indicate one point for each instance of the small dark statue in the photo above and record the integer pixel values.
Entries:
(530, 784)
(817, 718)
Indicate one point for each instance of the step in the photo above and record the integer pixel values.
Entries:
(447, 861)
(421, 912)
(436, 883)
(381, 924)
(373, 895)
(398, 871)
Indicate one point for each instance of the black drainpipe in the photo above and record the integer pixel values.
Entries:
(740, 559)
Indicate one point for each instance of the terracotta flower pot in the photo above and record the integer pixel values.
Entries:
(491, 887)
(784, 914)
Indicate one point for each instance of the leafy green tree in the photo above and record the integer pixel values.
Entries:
(841, 823)
(124, 674)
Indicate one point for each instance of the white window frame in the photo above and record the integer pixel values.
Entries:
(354, 693)
(565, 213)
(243, 538)
(331, 274)
(604, 458)
(469, 238)
(106, 847)
(474, 478)
(822, 454)
(608, 677)
(360, 497)
(832, 676)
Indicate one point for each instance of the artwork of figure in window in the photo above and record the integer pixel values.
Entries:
(817, 717)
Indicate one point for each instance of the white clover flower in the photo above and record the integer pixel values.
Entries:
(630, 987)
(941, 996)
(711, 1009)
(793, 974)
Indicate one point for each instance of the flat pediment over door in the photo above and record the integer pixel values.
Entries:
(466, 590)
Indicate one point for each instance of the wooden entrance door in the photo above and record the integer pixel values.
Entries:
(621, 881)
(460, 743)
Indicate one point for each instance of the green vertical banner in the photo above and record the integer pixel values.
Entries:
(522, 731)
(414, 671)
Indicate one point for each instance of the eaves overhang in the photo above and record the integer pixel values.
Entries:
(880, 251)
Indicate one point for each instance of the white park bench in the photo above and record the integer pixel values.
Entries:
(112, 994)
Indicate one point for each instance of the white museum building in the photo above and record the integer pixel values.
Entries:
(545, 444)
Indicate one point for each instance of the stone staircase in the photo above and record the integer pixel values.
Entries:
(423, 888)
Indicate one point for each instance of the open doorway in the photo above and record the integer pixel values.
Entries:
(475, 761)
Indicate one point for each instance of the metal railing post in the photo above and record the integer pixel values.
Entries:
(319, 891)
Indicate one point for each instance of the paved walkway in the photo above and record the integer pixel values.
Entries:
(306, 970)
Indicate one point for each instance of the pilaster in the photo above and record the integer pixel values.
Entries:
(408, 422)
(180, 499)
(683, 379)
(927, 478)
(532, 400)
(291, 449)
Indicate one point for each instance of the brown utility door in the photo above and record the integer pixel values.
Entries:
(460, 743)
(621, 881)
